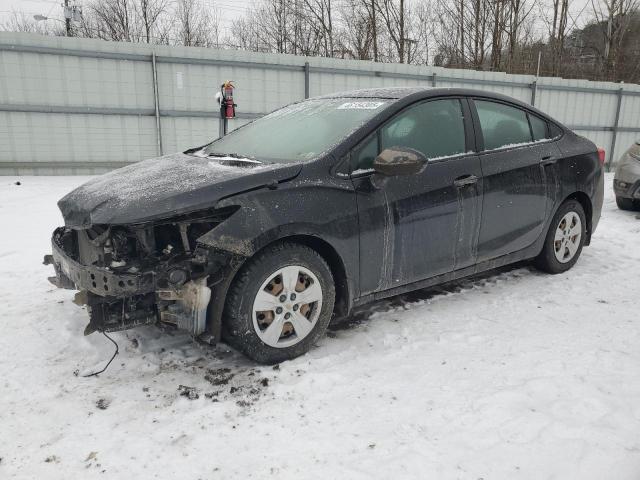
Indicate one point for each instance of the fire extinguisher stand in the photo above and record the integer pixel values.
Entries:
(227, 107)
(223, 125)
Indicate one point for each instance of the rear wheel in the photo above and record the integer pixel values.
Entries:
(280, 303)
(565, 239)
(625, 203)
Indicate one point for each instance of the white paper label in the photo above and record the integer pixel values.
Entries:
(360, 105)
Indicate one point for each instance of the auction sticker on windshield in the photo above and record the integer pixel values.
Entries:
(360, 105)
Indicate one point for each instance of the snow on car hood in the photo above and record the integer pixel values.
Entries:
(163, 187)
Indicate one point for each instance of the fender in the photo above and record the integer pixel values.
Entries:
(284, 211)
(326, 210)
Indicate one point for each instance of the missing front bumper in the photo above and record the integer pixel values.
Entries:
(97, 280)
(120, 301)
(116, 314)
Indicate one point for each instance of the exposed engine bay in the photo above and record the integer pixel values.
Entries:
(131, 275)
(142, 244)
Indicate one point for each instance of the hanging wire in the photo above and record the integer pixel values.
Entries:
(109, 362)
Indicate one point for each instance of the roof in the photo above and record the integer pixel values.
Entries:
(397, 93)
(406, 95)
(384, 92)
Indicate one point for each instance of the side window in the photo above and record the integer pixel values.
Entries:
(554, 130)
(538, 127)
(362, 157)
(502, 124)
(435, 128)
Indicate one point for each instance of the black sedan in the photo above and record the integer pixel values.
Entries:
(261, 237)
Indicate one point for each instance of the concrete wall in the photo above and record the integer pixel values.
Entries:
(80, 106)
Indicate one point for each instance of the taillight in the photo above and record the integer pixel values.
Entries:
(601, 155)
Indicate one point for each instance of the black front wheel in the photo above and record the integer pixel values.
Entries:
(565, 239)
(279, 304)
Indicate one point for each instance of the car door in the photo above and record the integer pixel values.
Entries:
(417, 226)
(516, 190)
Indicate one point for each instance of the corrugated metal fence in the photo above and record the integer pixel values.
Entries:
(80, 106)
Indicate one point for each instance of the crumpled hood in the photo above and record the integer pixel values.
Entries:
(163, 187)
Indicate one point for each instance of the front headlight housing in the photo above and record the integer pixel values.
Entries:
(181, 232)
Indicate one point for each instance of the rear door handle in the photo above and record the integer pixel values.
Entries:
(465, 180)
(548, 160)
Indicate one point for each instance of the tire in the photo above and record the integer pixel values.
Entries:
(561, 252)
(268, 335)
(625, 203)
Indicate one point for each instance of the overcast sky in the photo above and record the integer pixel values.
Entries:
(229, 9)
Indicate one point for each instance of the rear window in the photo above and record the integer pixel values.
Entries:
(554, 130)
(502, 125)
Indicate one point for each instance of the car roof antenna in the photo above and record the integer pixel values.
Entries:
(109, 362)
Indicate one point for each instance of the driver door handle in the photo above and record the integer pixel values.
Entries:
(548, 160)
(465, 180)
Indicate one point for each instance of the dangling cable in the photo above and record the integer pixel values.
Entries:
(109, 362)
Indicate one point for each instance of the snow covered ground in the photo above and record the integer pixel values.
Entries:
(514, 375)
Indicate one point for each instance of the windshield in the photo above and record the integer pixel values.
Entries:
(297, 132)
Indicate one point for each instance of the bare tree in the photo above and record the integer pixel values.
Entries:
(558, 33)
(320, 12)
(246, 34)
(355, 32)
(500, 35)
(614, 16)
(422, 33)
(263, 28)
(196, 25)
(21, 22)
(392, 13)
(519, 11)
(480, 21)
(300, 27)
(127, 20)
(150, 12)
(374, 29)
(111, 20)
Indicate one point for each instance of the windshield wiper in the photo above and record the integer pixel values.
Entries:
(233, 157)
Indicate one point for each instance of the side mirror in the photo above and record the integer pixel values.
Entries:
(399, 161)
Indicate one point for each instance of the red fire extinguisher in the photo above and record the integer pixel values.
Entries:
(227, 107)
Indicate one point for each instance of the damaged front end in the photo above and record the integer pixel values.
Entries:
(131, 275)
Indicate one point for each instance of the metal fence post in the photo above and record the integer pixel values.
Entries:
(306, 79)
(614, 135)
(433, 80)
(534, 90)
(156, 101)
